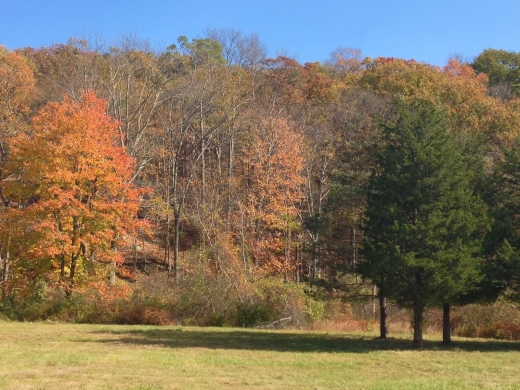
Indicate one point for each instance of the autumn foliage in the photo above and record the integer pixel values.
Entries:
(272, 164)
(71, 185)
(228, 175)
(16, 84)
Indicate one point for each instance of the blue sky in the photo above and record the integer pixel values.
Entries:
(426, 30)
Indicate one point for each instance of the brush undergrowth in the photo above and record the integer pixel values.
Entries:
(196, 300)
(201, 300)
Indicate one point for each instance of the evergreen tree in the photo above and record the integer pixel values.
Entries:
(422, 245)
(502, 243)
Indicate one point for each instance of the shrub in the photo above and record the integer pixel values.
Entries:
(198, 298)
(500, 320)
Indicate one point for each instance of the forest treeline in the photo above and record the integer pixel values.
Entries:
(244, 183)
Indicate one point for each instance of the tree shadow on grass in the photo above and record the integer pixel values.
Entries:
(287, 341)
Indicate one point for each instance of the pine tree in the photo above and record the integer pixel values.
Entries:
(421, 241)
(502, 243)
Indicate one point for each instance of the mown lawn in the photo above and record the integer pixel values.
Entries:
(65, 356)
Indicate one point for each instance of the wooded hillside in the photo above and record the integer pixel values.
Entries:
(243, 179)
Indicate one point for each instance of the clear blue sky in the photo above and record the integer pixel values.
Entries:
(425, 30)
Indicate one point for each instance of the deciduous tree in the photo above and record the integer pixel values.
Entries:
(271, 164)
(17, 89)
(71, 184)
(503, 69)
(456, 89)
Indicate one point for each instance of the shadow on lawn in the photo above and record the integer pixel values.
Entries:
(287, 341)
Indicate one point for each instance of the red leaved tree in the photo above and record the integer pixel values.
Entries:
(71, 189)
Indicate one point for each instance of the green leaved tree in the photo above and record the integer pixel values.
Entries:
(502, 243)
(423, 222)
(503, 70)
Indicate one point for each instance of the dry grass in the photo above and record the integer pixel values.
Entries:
(65, 356)
(350, 325)
(398, 324)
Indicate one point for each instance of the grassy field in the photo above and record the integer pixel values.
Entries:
(64, 356)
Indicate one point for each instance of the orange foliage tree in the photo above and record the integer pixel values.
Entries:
(272, 166)
(70, 187)
(16, 90)
(456, 88)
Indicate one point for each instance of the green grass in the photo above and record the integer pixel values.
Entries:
(65, 356)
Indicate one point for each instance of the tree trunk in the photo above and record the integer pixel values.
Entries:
(5, 269)
(418, 319)
(176, 235)
(72, 274)
(135, 252)
(446, 325)
(287, 254)
(383, 331)
(167, 246)
(62, 267)
(73, 263)
(230, 168)
(354, 250)
(298, 263)
(314, 265)
(112, 279)
(202, 154)
(374, 298)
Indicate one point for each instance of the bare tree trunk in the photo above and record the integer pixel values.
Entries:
(314, 265)
(297, 263)
(203, 157)
(112, 279)
(62, 267)
(135, 252)
(383, 330)
(74, 256)
(230, 168)
(167, 245)
(176, 235)
(2, 264)
(72, 274)
(446, 325)
(243, 250)
(287, 254)
(418, 320)
(354, 249)
(374, 298)
(5, 273)
(5, 267)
